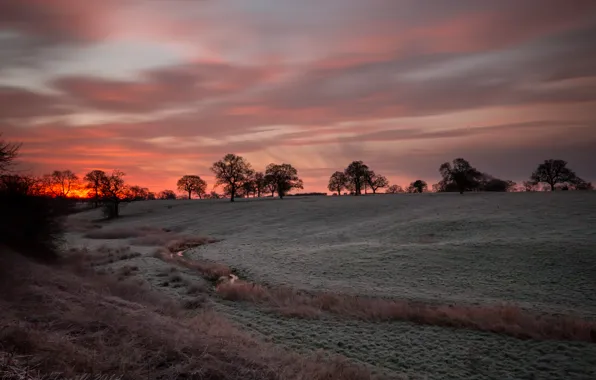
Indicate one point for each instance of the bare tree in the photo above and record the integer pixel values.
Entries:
(192, 184)
(554, 172)
(356, 176)
(270, 185)
(375, 181)
(248, 187)
(529, 186)
(418, 186)
(284, 177)
(113, 192)
(231, 172)
(461, 174)
(94, 180)
(337, 182)
(167, 194)
(8, 153)
(394, 189)
(260, 183)
(138, 193)
(61, 182)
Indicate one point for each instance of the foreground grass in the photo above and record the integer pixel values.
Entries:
(502, 319)
(56, 320)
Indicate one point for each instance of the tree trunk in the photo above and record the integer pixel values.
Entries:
(272, 193)
(189, 194)
(552, 186)
(232, 193)
(116, 209)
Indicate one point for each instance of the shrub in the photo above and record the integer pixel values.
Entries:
(30, 223)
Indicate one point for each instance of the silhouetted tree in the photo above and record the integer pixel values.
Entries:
(418, 186)
(192, 184)
(214, 195)
(489, 183)
(113, 191)
(138, 193)
(553, 172)
(270, 185)
(8, 153)
(580, 184)
(248, 187)
(285, 177)
(394, 189)
(151, 196)
(260, 183)
(356, 176)
(460, 173)
(94, 179)
(529, 186)
(167, 195)
(375, 181)
(231, 172)
(61, 182)
(337, 182)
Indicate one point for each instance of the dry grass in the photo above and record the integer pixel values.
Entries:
(209, 270)
(122, 233)
(182, 243)
(76, 326)
(502, 319)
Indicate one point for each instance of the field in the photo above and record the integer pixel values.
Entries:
(535, 251)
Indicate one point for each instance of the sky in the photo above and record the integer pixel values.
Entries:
(160, 89)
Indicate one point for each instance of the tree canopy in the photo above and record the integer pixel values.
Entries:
(337, 182)
(356, 176)
(192, 184)
(418, 186)
(283, 178)
(459, 174)
(375, 181)
(231, 172)
(554, 172)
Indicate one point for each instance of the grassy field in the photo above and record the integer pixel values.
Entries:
(534, 251)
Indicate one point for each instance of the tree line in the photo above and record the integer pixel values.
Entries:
(457, 176)
(235, 175)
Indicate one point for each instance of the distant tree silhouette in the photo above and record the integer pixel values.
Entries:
(270, 185)
(356, 176)
(113, 191)
(214, 195)
(192, 184)
(167, 195)
(284, 177)
(418, 186)
(375, 181)
(394, 189)
(151, 196)
(337, 182)
(580, 184)
(248, 187)
(260, 183)
(61, 182)
(461, 174)
(94, 179)
(487, 182)
(554, 172)
(231, 172)
(138, 193)
(8, 153)
(529, 186)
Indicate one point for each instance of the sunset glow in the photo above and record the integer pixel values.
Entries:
(162, 89)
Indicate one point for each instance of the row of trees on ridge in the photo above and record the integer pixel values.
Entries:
(457, 176)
